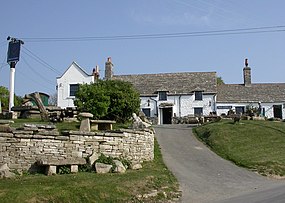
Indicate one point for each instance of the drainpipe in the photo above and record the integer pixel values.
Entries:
(215, 103)
(179, 105)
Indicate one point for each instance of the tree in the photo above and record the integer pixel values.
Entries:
(220, 81)
(110, 99)
(124, 100)
(53, 99)
(4, 96)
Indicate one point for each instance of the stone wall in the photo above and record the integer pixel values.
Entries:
(21, 149)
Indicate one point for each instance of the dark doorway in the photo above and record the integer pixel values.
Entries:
(277, 111)
(167, 115)
(239, 109)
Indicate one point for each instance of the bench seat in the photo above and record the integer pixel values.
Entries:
(52, 164)
(102, 124)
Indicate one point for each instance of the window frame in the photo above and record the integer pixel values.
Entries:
(146, 109)
(198, 96)
(198, 108)
(162, 96)
(73, 88)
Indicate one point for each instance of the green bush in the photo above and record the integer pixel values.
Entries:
(110, 160)
(64, 170)
(110, 99)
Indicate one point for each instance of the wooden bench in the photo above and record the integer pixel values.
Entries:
(52, 164)
(102, 124)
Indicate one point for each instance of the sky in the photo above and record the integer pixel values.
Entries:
(56, 33)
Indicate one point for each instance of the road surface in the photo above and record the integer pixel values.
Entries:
(205, 177)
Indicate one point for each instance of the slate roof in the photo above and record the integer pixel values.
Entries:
(174, 83)
(238, 93)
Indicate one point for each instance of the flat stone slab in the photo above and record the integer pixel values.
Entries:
(85, 115)
(102, 121)
(6, 121)
(102, 168)
(71, 161)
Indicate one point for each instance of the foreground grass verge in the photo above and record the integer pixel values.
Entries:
(257, 145)
(92, 187)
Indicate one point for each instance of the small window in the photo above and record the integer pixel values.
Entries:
(198, 96)
(198, 111)
(73, 88)
(162, 96)
(146, 112)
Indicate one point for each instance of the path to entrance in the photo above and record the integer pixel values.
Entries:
(204, 176)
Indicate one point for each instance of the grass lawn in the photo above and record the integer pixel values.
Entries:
(92, 187)
(257, 145)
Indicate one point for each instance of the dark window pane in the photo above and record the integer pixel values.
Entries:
(146, 112)
(162, 96)
(73, 89)
(198, 95)
(198, 111)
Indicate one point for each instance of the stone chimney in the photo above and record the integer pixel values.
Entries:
(247, 74)
(108, 69)
(95, 73)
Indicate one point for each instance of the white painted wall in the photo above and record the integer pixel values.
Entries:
(268, 108)
(73, 75)
(183, 105)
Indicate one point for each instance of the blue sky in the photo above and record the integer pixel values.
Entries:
(224, 54)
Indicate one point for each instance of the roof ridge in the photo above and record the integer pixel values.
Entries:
(168, 73)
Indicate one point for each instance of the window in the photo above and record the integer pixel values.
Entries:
(162, 96)
(73, 88)
(239, 109)
(146, 112)
(198, 111)
(198, 96)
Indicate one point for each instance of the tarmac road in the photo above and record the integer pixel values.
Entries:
(205, 177)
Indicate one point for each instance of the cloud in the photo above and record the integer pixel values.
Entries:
(172, 19)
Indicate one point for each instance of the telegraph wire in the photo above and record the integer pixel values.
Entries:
(36, 72)
(23, 73)
(39, 60)
(253, 30)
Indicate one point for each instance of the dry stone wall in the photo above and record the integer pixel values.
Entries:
(21, 149)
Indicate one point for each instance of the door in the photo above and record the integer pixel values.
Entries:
(239, 109)
(277, 111)
(167, 115)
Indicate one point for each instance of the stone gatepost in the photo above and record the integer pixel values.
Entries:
(85, 123)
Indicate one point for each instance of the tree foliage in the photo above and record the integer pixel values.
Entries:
(110, 99)
(220, 81)
(4, 96)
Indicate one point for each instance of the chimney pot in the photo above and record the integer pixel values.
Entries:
(95, 73)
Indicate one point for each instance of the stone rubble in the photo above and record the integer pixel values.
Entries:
(5, 172)
(102, 168)
(120, 168)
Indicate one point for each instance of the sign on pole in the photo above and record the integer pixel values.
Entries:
(13, 51)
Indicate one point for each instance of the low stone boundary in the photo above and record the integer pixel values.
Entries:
(21, 149)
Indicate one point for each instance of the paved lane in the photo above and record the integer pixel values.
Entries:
(204, 176)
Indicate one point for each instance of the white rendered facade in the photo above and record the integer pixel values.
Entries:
(179, 105)
(73, 76)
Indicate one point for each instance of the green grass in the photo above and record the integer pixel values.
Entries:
(61, 126)
(257, 145)
(92, 187)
